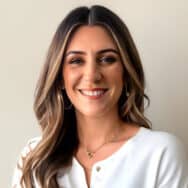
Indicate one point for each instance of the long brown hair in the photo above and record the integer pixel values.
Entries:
(59, 134)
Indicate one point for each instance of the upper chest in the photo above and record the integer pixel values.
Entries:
(124, 170)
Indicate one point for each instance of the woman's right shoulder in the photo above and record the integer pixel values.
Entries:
(30, 145)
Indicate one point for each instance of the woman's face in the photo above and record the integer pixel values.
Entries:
(93, 72)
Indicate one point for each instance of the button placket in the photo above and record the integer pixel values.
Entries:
(96, 178)
(98, 168)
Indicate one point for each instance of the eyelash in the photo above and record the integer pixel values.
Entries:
(75, 61)
(108, 60)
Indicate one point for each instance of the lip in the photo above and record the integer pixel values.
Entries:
(93, 93)
(93, 89)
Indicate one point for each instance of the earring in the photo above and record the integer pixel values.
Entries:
(68, 107)
(127, 93)
(67, 104)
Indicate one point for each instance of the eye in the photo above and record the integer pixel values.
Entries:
(108, 59)
(75, 61)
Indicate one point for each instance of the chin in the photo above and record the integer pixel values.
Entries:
(95, 113)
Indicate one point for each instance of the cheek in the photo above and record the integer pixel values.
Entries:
(117, 74)
(70, 78)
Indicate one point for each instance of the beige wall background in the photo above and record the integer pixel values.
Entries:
(159, 29)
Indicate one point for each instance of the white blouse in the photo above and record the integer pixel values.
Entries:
(150, 159)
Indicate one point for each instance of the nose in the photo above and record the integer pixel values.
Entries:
(92, 72)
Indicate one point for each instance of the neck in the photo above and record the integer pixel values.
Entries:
(93, 132)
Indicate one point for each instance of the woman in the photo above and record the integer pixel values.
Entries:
(90, 105)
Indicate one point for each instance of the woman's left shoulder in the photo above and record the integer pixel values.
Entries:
(169, 154)
(165, 141)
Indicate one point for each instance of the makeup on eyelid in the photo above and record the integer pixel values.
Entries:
(76, 58)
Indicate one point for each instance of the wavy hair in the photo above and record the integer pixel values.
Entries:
(59, 132)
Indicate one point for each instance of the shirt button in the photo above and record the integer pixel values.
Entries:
(98, 168)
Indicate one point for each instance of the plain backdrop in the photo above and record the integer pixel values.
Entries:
(159, 28)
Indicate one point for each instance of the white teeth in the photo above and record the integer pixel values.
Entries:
(92, 93)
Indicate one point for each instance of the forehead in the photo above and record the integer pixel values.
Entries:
(91, 38)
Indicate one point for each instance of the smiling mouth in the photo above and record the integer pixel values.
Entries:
(93, 93)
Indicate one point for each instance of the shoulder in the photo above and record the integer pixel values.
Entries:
(30, 145)
(161, 140)
(160, 144)
(167, 148)
(168, 153)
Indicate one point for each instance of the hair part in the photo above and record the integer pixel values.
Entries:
(59, 132)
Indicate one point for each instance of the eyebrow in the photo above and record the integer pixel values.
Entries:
(99, 52)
